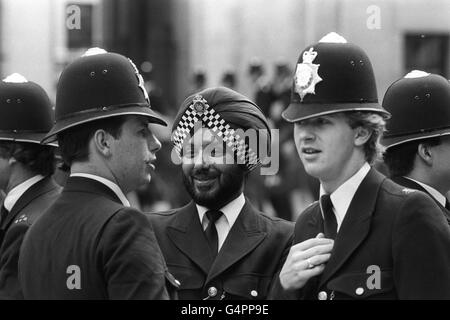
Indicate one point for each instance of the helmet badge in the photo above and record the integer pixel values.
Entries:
(306, 74)
(140, 81)
(199, 104)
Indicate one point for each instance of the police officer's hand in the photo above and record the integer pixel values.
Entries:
(305, 260)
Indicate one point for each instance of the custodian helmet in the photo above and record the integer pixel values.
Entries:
(420, 108)
(99, 85)
(26, 113)
(332, 76)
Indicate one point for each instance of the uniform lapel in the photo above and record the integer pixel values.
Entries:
(444, 210)
(43, 186)
(356, 224)
(414, 185)
(187, 234)
(315, 224)
(408, 183)
(243, 237)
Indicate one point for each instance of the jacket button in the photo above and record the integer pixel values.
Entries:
(359, 291)
(322, 295)
(254, 293)
(212, 291)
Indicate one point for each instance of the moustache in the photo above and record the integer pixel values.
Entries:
(204, 174)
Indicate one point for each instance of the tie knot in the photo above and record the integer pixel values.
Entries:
(3, 213)
(325, 202)
(330, 222)
(213, 215)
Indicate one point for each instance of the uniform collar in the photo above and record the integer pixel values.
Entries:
(432, 191)
(114, 187)
(342, 196)
(231, 210)
(16, 192)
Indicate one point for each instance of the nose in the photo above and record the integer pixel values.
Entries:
(202, 159)
(154, 144)
(303, 133)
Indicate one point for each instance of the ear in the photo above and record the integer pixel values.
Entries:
(102, 142)
(362, 135)
(425, 153)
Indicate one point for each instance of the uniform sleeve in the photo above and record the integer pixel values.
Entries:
(132, 261)
(9, 261)
(421, 250)
(277, 292)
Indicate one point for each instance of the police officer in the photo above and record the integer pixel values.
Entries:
(260, 85)
(367, 237)
(418, 135)
(26, 169)
(219, 246)
(229, 79)
(91, 244)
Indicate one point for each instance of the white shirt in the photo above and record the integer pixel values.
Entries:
(434, 193)
(114, 187)
(342, 196)
(225, 222)
(16, 192)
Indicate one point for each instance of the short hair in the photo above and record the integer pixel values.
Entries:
(400, 158)
(376, 124)
(74, 142)
(38, 158)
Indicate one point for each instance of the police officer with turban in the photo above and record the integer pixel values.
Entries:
(90, 244)
(26, 169)
(367, 237)
(219, 246)
(417, 140)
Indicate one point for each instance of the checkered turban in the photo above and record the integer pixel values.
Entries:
(223, 111)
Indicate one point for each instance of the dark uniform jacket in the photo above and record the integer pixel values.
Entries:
(245, 265)
(414, 185)
(89, 246)
(28, 208)
(388, 228)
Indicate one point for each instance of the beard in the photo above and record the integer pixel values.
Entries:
(226, 186)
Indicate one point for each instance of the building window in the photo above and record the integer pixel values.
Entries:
(81, 37)
(427, 52)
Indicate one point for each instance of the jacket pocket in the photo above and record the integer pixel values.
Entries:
(248, 286)
(359, 286)
(188, 277)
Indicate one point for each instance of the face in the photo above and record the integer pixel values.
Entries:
(5, 170)
(326, 146)
(133, 152)
(441, 164)
(209, 174)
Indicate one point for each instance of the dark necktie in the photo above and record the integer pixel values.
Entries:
(211, 231)
(3, 214)
(329, 218)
